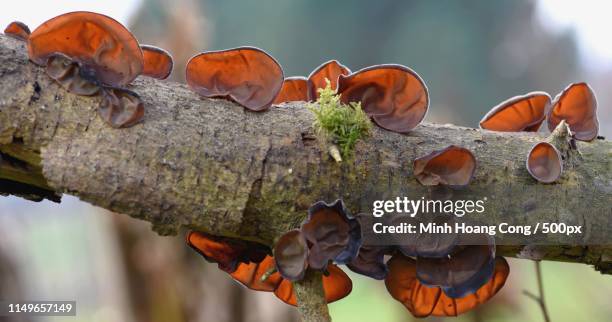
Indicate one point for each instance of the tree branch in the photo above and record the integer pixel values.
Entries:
(311, 298)
(211, 165)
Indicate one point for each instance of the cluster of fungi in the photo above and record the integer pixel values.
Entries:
(89, 53)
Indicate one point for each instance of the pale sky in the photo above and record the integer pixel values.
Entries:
(589, 19)
(33, 13)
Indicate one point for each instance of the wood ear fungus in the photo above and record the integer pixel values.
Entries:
(452, 166)
(158, 63)
(120, 107)
(467, 268)
(519, 113)
(318, 78)
(294, 90)
(291, 254)
(422, 301)
(332, 233)
(577, 105)
(544, 162)
(370, 261)
(226, 252)
(394, 96)
(95, 41)
(17, 30)
(71, 76)
(247, 75)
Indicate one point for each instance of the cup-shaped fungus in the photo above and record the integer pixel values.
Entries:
(422, 301)
(577, 105)
(17, 30)
(71, 76)
(394, 96)
(97, 42)
(120, 108)
(251, 265)
(544, 162)
(519, 113)
(291, 255)
(370, 261)
(464, 270)
(452, 166)
(226, 252)
(294, 89)
(333, 234)
(158, 63)
(328, 71)
(247, 75)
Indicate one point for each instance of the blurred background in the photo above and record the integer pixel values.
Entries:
(472, 55)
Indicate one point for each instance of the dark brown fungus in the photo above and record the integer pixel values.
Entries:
(544, 162)
(452, 166)
(71, 76)
(577, 105)
(433, 245)
(464, 270)
(158, 63)
(394, 96)
(293, 90)
(370, 261)
(291, 254)
(519, 113)
(247, 75)
(333, 234)
(328, 71)
(422, 301)
(17, 30)
(120, 108)
(97, 42)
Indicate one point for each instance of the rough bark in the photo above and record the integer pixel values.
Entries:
(209, 164)
(311, 298)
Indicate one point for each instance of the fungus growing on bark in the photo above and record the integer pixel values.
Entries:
(519, 113)
(157, 62)
(422, 301)
(394, 96)
(328, 71)
(17, 30)
(120, 107)
(226, 252)
(370, 261)
(262, 276)
(452, 166)
(333, 234)
(294, 89)
(291, 255)
(544, 162)
(251, 265)
(247, 75)
(336, 286)
(101, 45)
(68, 74)
(464, 270)
(577, 105)
(432, 245)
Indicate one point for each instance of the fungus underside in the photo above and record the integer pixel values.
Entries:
(338, 123)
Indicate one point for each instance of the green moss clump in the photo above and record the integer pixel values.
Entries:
(341, 124)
